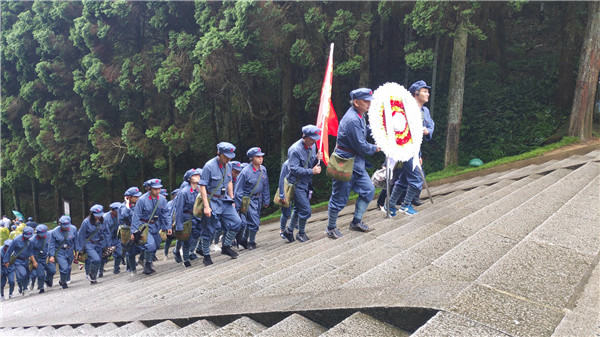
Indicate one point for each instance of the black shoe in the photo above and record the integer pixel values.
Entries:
(333, 233)
(148, 268)
(49, 283)
(154, 259)
(100, 275)
(199, 252)
(177, 257)
(251, 245)
(41, 291)
(243, 243)
(93, 281)
(417, 202)
(193, 256)
(359, 227)
(227, 250)
(63, 285)
(187, 264)
(207, 260)
(288, 235)
(302, 237)
(116, 272)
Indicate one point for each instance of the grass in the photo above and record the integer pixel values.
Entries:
(458, 170)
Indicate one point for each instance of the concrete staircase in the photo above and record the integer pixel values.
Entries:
(510, 253)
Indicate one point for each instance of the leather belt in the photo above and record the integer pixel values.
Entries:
(345, 149)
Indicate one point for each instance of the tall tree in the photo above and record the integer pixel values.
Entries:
(464, 27)
(582, 113)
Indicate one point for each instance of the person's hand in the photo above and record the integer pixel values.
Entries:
(207, 211)
(132, 237)
(378, 149)
(51, 260)
(6, 264)
(35, 265)
(169, 232)
(421, 161)
(425, 132)
(320, 156)
(316, 169)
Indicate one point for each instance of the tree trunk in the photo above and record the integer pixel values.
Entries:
(35, 194)
(436, 51)
(16, 200)
(58, 202)
(111, 187)
(455, 94)
(142, 172)
(365, 50)
(580, 124)
(286, 105)
(171, 170)
(566, 70)
(84, 201)
(407, 38)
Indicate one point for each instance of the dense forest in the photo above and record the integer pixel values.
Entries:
(100, 96)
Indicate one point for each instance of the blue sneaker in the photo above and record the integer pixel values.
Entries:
(408, 210)
(393, 210)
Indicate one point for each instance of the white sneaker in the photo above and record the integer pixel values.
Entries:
(382, 208)
(215, 248)
(69, 282)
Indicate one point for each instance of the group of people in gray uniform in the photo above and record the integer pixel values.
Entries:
(220, 202)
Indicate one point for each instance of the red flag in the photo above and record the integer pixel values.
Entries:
(327, 119)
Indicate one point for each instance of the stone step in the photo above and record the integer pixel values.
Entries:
(448, 238)
(583, 319)
(84, 330)
(129, 329)
(243, 326)
(400, 263)
(46, 331)
(199, 328)
(265, 280)
(449, 324)
(478, 252)
(294, 325)
(161, 329)
(321, 266)
(575, 225)
(263, 253)
(518, 272)
(16, 332)
(244, 277)
(65, 330)
(359, 324)
(104, 329)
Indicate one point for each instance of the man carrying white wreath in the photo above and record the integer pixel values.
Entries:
(410, 182)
